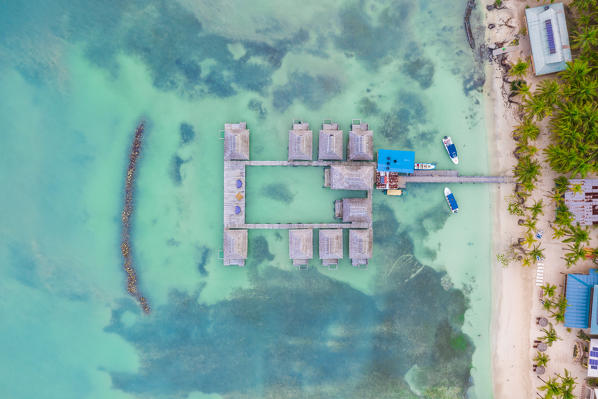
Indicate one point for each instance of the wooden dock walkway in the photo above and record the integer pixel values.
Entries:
(450, 176)
(283, 226)
(302, 163)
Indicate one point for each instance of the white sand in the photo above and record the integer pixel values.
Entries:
(515, 296)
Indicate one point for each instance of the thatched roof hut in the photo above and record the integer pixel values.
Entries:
(301, 246)
(330, 145)
(357, 210)
(236, 141)
(331, 246)
(235, 247)
(300, 142)
(351, 177)
(360, 246)
(361, 143)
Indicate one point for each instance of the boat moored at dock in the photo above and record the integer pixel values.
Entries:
(424, 166)
(450, 199)
(451, 149)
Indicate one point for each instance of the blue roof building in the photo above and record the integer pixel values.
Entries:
(396, 161)
(548, 38)
(579, 290)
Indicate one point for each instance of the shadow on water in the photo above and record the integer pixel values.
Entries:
(297, 334)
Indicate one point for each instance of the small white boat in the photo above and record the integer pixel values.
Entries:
(451, 149)
(424, 166)
(450, 199)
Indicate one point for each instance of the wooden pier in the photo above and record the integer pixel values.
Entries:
(450, 176)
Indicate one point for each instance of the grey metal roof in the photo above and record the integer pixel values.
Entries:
(330, 145)
(351, 177)
(357, 210)
(235, 247)
(331, 244)
(300, 143)
(361, 143)
(236, 141)
(545, 61)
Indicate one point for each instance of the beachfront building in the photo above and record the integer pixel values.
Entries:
(300, 142)
(361, 143)
(301, 248)
(583, 202)
(330, 144)
(549, 39)
(331, 246)
(581, 291)
(235, 247)
(236, 141)
(360, 246)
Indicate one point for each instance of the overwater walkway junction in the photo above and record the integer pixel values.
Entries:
(358, 172)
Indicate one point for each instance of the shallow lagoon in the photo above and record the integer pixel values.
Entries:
(81, 76)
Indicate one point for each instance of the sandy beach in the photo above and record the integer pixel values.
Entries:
(516, 298)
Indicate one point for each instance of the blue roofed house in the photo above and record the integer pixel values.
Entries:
(548, 38)
(581, 291)
(396, 161)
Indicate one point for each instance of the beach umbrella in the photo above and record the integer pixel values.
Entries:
(239, 183)
(237, 210)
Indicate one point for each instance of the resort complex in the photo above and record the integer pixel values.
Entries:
(391, 172)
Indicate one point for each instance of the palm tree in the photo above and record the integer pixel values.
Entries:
(585, 38)
(576, 70)
(548, 290)
(536, 253)
(519, 69)
(530, 223)
(547, 305)
(552, 388)
(538, 107)
(578, 235)
(576, 252)
(536, 209)
(529, 240)
(527, 172)
(567, 380)
(549, 90)
(527, 130)
(558, 233)
(550, 335)
(541, 359)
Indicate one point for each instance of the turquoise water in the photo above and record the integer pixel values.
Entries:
(77, 78)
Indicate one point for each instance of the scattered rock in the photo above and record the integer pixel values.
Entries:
(491, 26)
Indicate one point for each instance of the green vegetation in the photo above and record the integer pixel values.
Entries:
(561, 386)
(549, 336)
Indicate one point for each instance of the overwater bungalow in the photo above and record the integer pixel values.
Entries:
(301, 248)
(583, 203)
(360, 246)
(361, 143)
(330, 145)
(349, 177)
(549, 39)
(235, 247)
(330, 246)
(354, 209)
(236, 141)
(300, 142)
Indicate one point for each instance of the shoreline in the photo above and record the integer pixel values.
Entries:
(515, 296)
(511, 286)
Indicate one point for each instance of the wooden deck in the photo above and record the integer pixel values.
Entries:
(284, 226)
(233, 171)
(450, 176)
(304, 163)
